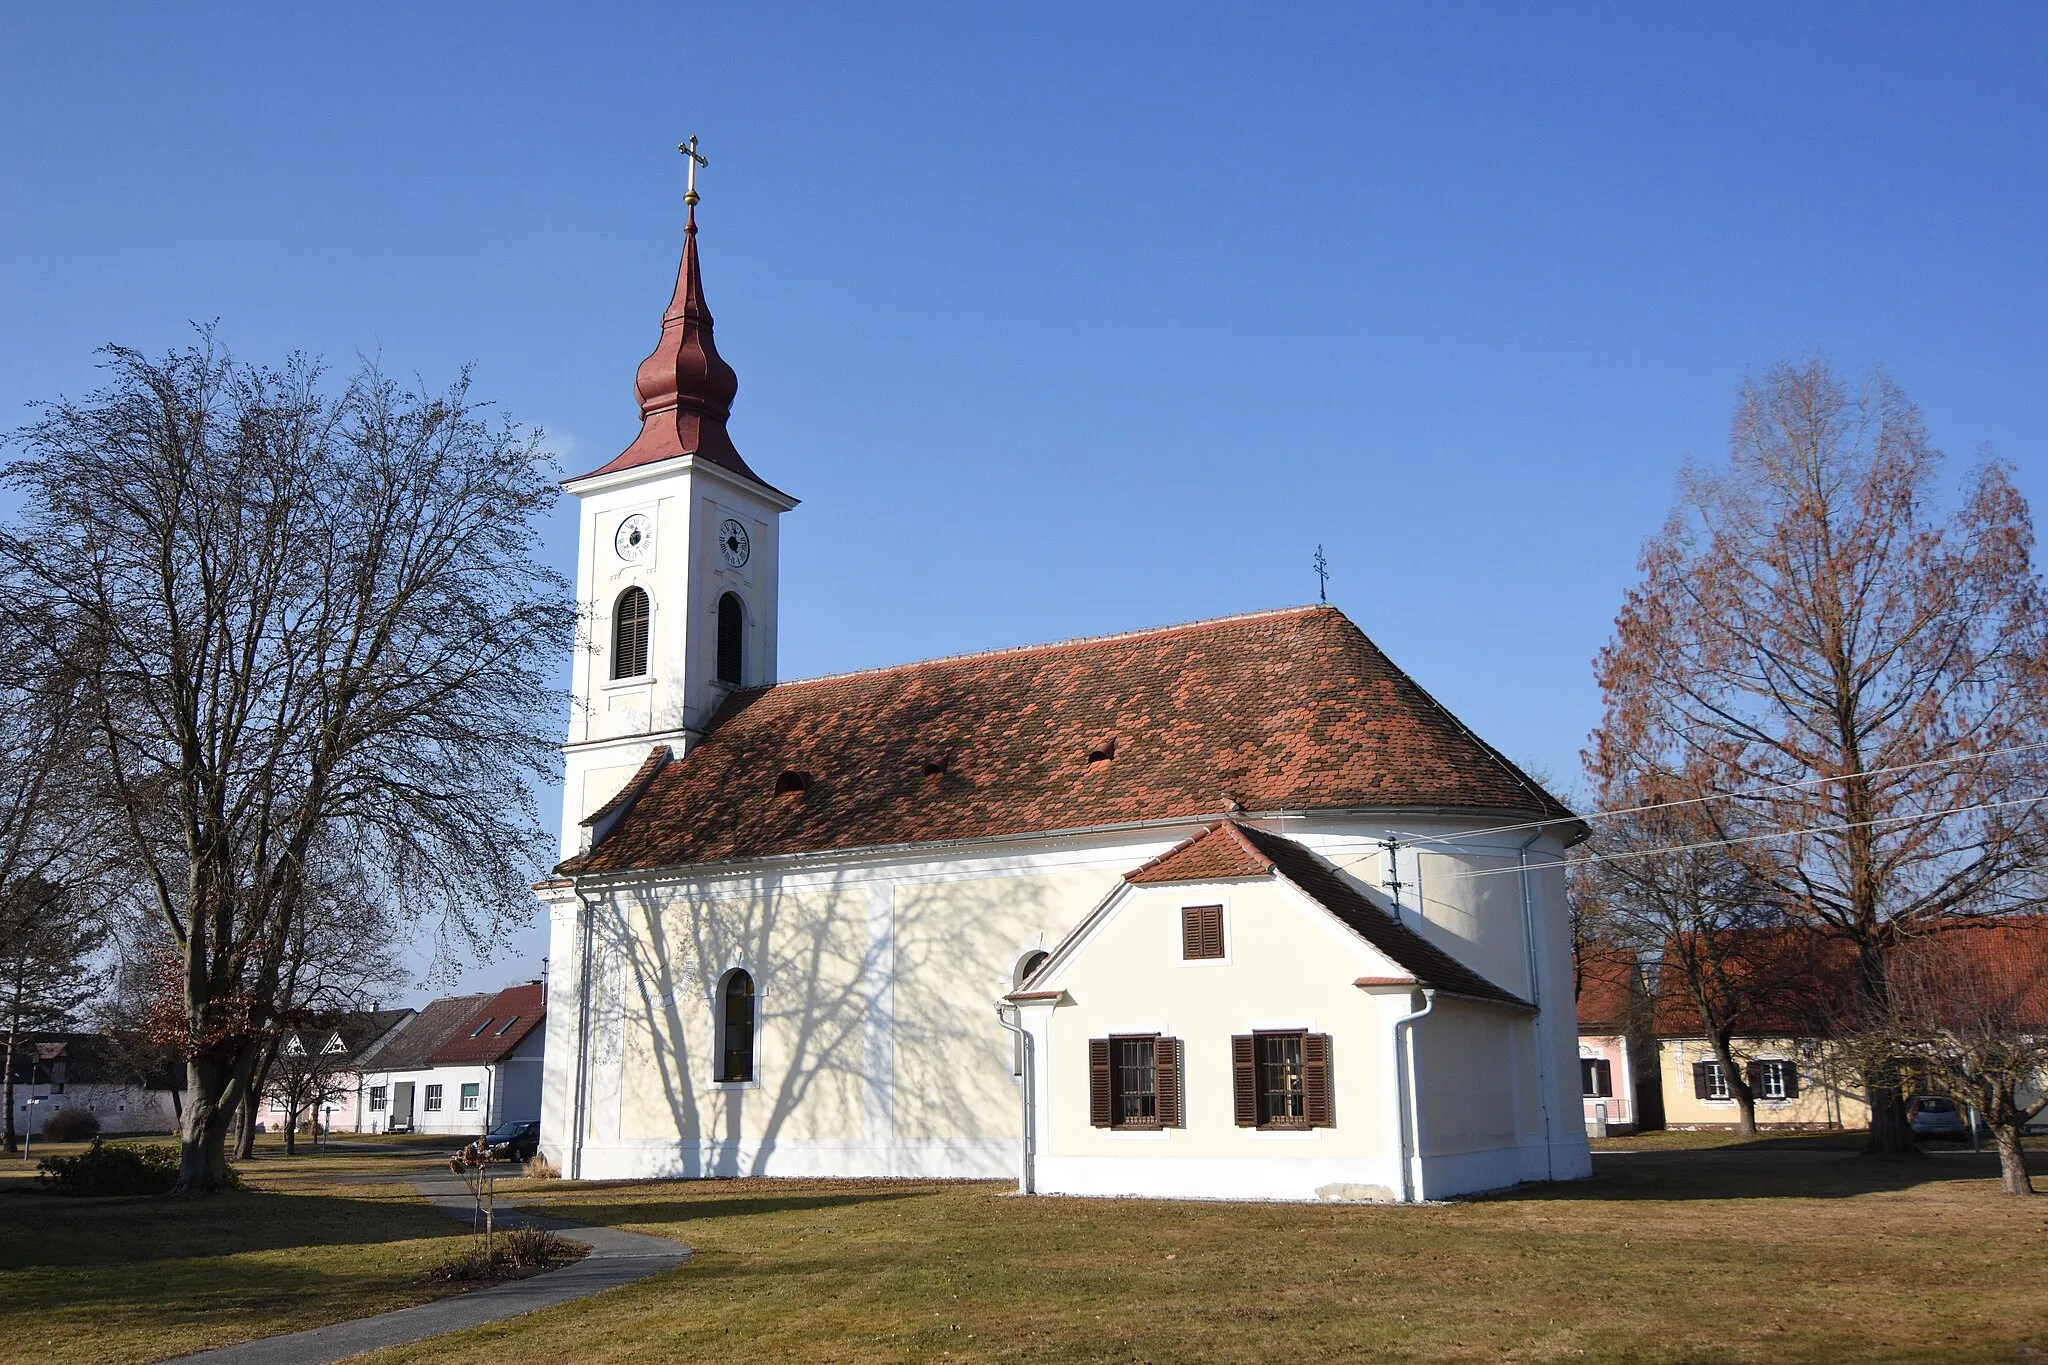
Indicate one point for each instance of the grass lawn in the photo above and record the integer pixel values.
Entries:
(313, 1239)
(1787, 1250)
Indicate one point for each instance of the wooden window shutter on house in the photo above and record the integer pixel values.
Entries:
(1699, 1080)
(1098, 1082)
(1166, 1080)
(1201, 931)
(1790, 1071)
(1755, 1074)
(1318, 1104)
(1244, 1081)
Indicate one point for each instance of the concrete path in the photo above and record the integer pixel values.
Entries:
(615, 1258)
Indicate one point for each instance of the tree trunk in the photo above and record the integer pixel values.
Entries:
(1890, 1132)
(245, 1131)
(1738, 1088)
(2012, 1158)
(13, 1138)
(209, 1114)
(291, 1130)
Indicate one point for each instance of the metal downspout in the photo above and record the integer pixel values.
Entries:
(1536, 999)
(582, 1088)
(1027, 1150)
(1409, 1096)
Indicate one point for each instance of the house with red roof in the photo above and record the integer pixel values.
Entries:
(462, 1065)
(1615, 1044)
(1798, 996)
(1233, 908)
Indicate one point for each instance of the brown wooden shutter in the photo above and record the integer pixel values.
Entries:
(1607, 1079)
(1098, 1082)
(1166, 1080)
(1212, 931)
(1790, 1071)
(1316, 1097)
(1699, 1080)
(1755, 1073)
(1244, 1081)
(1201, 931)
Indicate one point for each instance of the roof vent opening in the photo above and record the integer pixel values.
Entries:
(936, 767)
(1102, 750)
(791, 782)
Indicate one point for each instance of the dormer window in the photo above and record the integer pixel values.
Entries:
(732, 625)
(1102, 750)
(630, 617)
(791, 782)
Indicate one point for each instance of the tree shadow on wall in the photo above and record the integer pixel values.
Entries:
(875, 1009)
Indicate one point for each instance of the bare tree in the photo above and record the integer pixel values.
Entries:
(303, 628)
(1968, 1007)
(1861, 676)
(47, 973)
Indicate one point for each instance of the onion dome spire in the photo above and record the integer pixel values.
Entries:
(685, 387)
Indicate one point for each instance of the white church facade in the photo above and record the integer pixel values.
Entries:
(1227, 909)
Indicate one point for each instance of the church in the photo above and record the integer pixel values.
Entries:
(1229, 909)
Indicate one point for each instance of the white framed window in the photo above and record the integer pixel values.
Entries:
(472, 1092)
(1776, 1079)
(376, 1098)
(1710, 1081)
(433, 1099)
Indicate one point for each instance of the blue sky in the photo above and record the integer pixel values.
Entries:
(1066, 319)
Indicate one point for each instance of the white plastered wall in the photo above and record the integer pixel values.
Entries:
(878, 974)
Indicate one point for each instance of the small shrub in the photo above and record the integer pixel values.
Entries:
(101, 1169)
(540, 1168)
(516, 1254)
(71, 1125)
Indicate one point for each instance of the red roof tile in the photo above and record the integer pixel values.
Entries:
(1218, 853)
(1806, 981)
(1285, 710)
(1610, 988)
(499, 1026)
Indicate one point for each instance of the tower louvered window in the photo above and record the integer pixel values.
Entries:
(630, 617)
(732, 623)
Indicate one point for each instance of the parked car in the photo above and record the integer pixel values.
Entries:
(1936, 1116)
(520, 1140)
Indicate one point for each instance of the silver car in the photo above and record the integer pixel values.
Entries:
(1936, 1116)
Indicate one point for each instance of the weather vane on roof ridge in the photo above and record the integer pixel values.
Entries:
(695, 159)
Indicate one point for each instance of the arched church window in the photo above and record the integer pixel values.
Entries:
(630, 615)
(1026, 965)
(732, 625)
(736, 1028)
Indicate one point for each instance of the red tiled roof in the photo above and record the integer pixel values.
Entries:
(498, 1027)
(1609, 980)
(1218, 853)
(1285, 710)
(1806, 981)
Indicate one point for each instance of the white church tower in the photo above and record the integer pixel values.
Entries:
(676, 564)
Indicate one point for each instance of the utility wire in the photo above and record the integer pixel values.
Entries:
(1629, 854)
(1409, 841)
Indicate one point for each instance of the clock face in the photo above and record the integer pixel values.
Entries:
(635, 538)
(733, 542)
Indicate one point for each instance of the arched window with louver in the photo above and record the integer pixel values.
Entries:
(732, 627)
(630, 616)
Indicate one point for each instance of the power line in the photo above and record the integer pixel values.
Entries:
(1628, 854)
(1410, 841)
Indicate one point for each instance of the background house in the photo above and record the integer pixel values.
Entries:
(316, 1068)
(1788, 1041)
(1618, 1080)
(460, 1066)
(129, 1088)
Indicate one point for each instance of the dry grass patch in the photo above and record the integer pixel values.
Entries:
(1791, 1253)
(311, 1240)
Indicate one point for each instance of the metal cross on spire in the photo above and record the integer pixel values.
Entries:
(695, 159)
(1322, 576)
